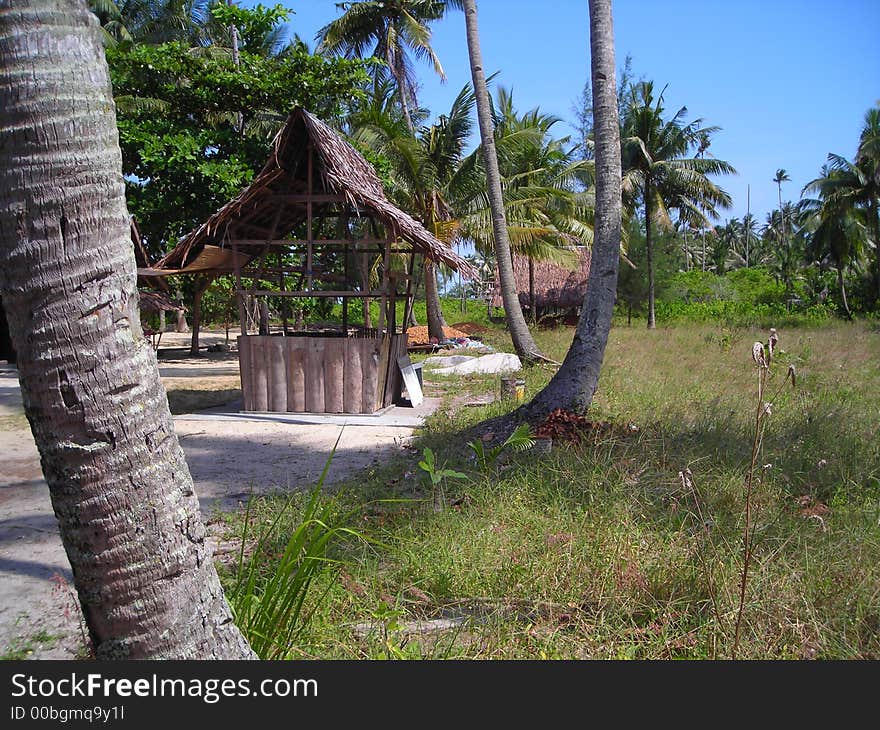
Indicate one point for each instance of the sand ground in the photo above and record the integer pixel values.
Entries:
(229, 458)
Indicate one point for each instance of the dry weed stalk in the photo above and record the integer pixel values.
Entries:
(762, 355)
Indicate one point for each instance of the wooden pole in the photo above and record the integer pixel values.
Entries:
(239, 292)
(309, 233)
(347, 285)
(407, 305)
(281, 285)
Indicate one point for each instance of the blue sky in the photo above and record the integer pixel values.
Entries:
(787, 81)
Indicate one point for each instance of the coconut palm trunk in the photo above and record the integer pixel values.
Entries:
(433, 306)
(519, 332)
(649, 258)
(120, 488)
(574, 384)
(842, 284)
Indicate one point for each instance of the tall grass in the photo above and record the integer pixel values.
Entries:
(275, 578)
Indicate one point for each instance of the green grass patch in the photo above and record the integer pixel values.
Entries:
(602, 550)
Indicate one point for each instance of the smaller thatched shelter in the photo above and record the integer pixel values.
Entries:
(314, 225)
(153, 302)
(548, 287)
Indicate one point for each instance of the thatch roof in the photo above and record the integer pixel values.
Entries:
(142, 259)
(556, 286)
(156, 301)
(341, 171)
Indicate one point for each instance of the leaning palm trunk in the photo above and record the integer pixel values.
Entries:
(574, 384)
(519, 332)
(434, 309)
(120, 488)
(841, 283)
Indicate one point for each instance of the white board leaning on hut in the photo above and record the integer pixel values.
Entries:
(411, 380)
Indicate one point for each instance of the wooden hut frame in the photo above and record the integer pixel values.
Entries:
(315, 199)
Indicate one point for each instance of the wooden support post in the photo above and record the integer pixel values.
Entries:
(242, 308)
(346, 285)
(407, 306)
(309, 232)
(264, 316)
(383, 309)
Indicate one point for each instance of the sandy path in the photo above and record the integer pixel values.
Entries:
(228, 459)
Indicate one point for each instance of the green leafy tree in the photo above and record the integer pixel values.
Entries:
(258, 30)
(176, 108)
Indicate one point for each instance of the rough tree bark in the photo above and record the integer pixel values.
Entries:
(433, 307)
(202, 284)
(120, 488)
(574, 384)
(519, 332)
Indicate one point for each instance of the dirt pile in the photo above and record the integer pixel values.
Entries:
(419, 335)
(562, 425)
(470, 328)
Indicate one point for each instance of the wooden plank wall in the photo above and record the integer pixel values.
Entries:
(317, 374)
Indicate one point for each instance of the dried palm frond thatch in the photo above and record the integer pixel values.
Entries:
(556, 287)
(274, 203)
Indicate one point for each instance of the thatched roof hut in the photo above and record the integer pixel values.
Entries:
(314, 225)
(556, 287)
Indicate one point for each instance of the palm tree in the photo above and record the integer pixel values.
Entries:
(522, 339)
(153, 21)
(574, 384)
(392, 31)
(784, 255)
(868, 163)
(120, 487)
(749, 242)
(546, 206)
(852, 190)
(856, 185)
(654, 153)
(780, 177)
(835, 229)
(722, 245)
(428, 177)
